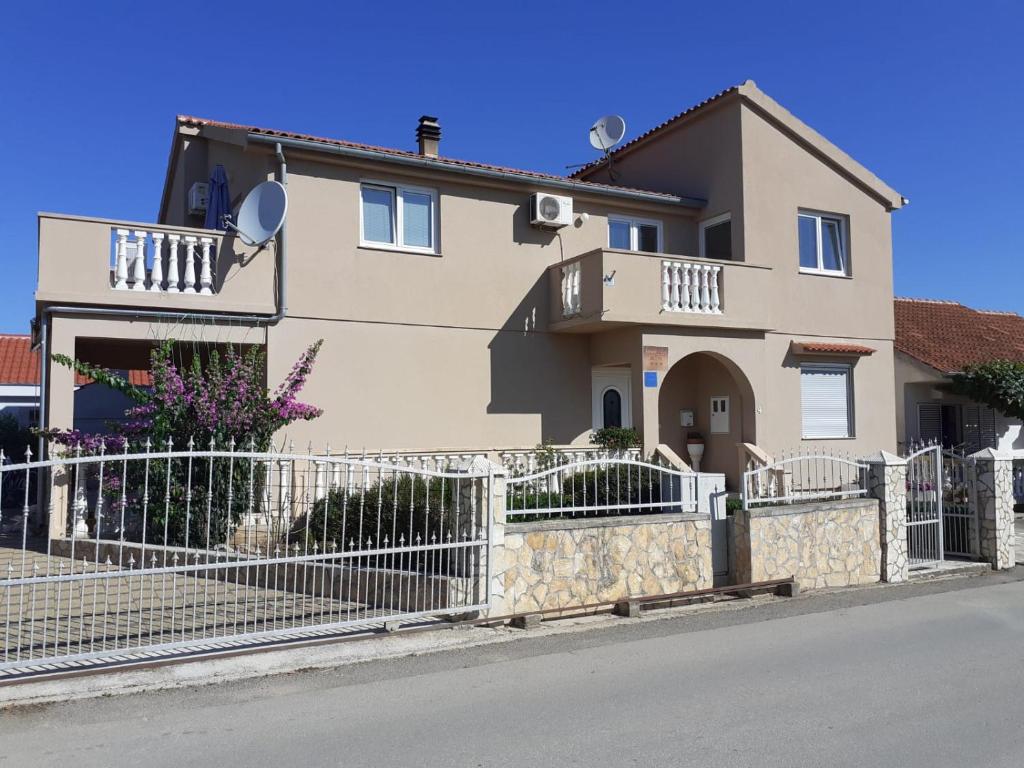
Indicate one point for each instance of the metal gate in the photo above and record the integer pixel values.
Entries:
(149, 553)
(924, 507)
(942, 511)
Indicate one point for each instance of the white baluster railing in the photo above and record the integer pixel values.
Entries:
(142, 262)
(571, 303)
(688, 287)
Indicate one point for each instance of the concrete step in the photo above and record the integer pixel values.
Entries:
(950, 568)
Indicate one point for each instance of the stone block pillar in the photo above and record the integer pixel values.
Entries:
(887, 482)
(488, 496)
(993, 492)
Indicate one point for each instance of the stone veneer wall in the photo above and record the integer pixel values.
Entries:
(821, 544)
(563, 563)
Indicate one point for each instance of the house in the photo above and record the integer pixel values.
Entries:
(727, 273)
(19, 379)
(95, 405)
(935, 339)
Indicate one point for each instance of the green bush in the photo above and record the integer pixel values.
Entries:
(407, 511)
(616, 438)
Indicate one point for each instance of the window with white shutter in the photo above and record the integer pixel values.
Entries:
(826, 400)
(397, 217)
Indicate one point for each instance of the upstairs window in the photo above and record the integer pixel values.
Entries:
(398, 217)
(716, 237)
(823, 247)
(634, 234)
(826, 401)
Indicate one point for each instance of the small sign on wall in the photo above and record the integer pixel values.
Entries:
(655, 358)
(686, 418)
(650, 378)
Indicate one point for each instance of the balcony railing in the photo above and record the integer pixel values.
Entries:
(571, 300)
(162, 262)
(608, 288)
(688, 287)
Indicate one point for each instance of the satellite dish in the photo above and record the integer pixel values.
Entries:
(262, 213)
(607, 132)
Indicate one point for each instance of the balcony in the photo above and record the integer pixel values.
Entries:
(606, 288)
(103, 262)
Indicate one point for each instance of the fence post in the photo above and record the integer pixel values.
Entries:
(993, 483)
(887, 482)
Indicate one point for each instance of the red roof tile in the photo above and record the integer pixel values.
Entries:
(539, 176)
(949, 336)
(828, 348)
(19, 364)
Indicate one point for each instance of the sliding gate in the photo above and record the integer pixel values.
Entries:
(942, 519)
(145, 553)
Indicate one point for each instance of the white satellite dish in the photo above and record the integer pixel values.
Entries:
(261, 214)
(607, 132)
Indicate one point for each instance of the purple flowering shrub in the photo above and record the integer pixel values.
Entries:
(220, 403)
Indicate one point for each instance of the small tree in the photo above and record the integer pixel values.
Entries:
(218, 404)
(998, 384)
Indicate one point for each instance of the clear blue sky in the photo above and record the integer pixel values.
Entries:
(926, 95)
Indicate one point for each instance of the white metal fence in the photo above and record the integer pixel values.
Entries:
(177, 549)
(804, 477)
(602, 486)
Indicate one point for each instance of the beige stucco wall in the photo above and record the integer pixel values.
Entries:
(565, 563)
(468, 347)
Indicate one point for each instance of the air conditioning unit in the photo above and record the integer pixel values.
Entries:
(550, 211)
(198, 196)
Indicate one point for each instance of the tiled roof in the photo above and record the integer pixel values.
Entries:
(948, 336)
(19, 364)
(828, 348)
(455, 163)
(659, 127)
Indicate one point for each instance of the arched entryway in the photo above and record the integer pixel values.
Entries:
(707, 394)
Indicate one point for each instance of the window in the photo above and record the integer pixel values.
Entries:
(826, 401)
(970, 427)
(822, 244)
(716, 237)
(634, 234)
(403, 218)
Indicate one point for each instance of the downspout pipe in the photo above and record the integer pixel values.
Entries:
(260, 319)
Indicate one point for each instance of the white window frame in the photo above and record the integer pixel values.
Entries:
(714, 221)
(634, 238)
(844, 240)
(398, 218)
(851, 425)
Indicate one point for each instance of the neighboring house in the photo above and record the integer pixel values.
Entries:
(94, 404)
(728, 272)
(19, 379)
(935, 339)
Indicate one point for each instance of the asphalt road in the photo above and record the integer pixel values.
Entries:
(912, 676)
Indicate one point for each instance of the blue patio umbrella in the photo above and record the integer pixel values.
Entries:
(218, 203)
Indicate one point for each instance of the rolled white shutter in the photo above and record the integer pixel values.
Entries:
(929, 422)
(825, 400)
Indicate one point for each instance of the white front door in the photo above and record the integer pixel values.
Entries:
(610, 398)
(720, 415)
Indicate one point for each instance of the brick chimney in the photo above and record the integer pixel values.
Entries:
(428, 135)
